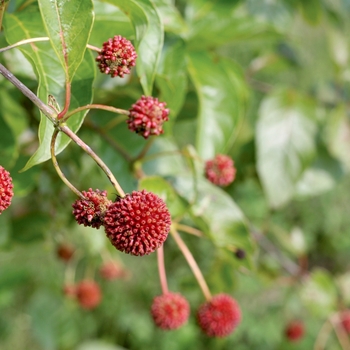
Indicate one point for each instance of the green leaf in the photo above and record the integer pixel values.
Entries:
(164, 190)
(26, 25)
(171, 17)
(30, 227)
(311, 10)
(98, 345)
(222, 95)
(285, 142)
(149, 35)
(323, 174)
(225, 221)
(226, 23)
(68, 25)
(337, 134)
(8, 146)
(319, 293)
(171, 78)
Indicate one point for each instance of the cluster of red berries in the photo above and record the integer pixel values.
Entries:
(220, 170)
(217, 317)
(136, 224)
(116, 57)
(87, 293)
(147, 115)
(6, 189)
(294, 330)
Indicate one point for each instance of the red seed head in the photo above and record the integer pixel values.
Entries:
(65, 251)
(170, 311)
(220, 170)
(147, 116)
(6, 192)
(112, 270)
(89, 294)
(294, 330)
(91, 211)
(137, 224)
(345, 320)
(219, 316)
(117, 56)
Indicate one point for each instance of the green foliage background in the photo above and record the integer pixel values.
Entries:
(266, 82)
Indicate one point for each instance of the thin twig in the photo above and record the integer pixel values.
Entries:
(189, 229)
(94, 48)
(161, 270)
(23, 42)
(323, 336)
(94, 156)
(145, 149)
(52, 116)
(95, 106)
(58, 169)
(49, 113)
(192, 263)
(109, 139)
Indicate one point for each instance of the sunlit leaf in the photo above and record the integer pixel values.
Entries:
(68, 25)
(222, 95)
(285, 142)
(171, 78)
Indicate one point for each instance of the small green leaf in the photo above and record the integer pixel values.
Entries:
(285, 141)
(149, 38)
(222, 96)
(68, 25)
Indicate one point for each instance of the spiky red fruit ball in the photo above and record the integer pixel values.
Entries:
(88, 293)
(147, 115)
(91, 211)
(345, 320)
(170, 311)
(6, 189)
(137, 224)
(219, 316)
(220, 170)
(112, 270)
(116, 57)
(294, 330)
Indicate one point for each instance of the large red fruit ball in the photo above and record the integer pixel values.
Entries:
(137, 224)
(294, 330)
(6, 189)
(170, 311)
(220, 316)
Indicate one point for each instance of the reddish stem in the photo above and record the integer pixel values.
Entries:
(161, 270)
